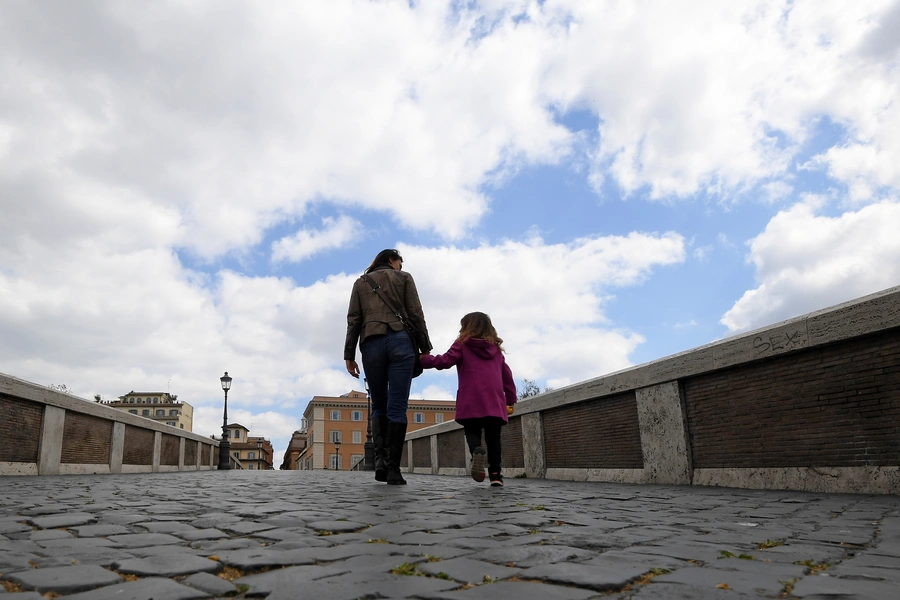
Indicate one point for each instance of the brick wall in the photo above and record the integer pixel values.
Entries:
(421, 452)
(594, 434)
(452, 449)
(20, 429)
(190, 452)
(47, 432)
(169, 452)
(138, 446)
(86, 440)
(835, 405)
(511, 445)
(811, 403)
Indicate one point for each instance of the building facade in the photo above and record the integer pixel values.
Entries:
(253, 453)
(162, 407)
(336, 428)
(296, 447)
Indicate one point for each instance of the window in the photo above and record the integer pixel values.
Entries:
(160, 413)
(335, 415)
(145, 412)
(419, 418)
(182, 425)
(251, 455)
(155, 400)
(356, 415)
(173, 413)
(236, 434)
(438, 418)
(250, 466)
(236, 453)
(133, 411)
(131, 401)
(357, 437)
(336, 437)
(172, 423)
(335, 462)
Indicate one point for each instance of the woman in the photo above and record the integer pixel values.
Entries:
(388, 353)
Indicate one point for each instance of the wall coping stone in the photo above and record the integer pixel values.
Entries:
(868, 314)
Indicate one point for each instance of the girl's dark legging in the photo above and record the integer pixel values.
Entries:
(491, 427)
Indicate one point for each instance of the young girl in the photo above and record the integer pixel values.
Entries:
(486, 389)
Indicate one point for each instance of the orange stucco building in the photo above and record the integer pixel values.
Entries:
(345, 419)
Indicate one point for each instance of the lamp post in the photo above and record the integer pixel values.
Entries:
(368, 447)
(337, 451)
(258, 453)
(225, 445)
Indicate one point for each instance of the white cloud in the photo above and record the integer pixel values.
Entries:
(110, 324)
(717, 97)
(806, 261)
(335, 233)
(701, 253)
(544, 299)
(224, 114)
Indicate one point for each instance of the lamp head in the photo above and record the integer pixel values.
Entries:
(226, 381)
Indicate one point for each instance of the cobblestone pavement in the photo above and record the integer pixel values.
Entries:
(324, 535)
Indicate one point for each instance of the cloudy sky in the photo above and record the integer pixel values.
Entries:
(192, 187)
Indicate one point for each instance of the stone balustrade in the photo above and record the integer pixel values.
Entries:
(812, 403)
(47, 432)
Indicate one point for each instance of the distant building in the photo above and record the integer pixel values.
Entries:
(159, 406)
(344, 418)
(295, 448)
(253, 453)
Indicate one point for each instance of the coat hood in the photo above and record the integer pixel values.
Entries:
(481, 348)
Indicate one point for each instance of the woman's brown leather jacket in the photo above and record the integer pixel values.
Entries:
(368, 314)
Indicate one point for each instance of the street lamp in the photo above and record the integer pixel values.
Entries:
(337, 451)
(368, 447)
(225, 445)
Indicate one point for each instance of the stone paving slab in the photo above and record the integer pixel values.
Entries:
(151, 588)
(212, 585)
(744, 576)
(64, 580)
(167, 565)
(601, 577)
(288, 535)
(467, 570)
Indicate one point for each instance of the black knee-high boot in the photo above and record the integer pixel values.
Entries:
(396, 438)
(379, 440)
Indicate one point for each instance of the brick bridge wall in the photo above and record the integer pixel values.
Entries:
(46, 432)
(812, 403)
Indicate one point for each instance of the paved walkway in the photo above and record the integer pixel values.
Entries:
(323, 535)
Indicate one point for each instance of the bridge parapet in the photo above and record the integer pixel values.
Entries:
(47, 432)
(811, 403)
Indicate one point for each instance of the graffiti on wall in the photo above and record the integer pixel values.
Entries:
(779, 342)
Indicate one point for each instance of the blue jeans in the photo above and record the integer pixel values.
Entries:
(388, 364)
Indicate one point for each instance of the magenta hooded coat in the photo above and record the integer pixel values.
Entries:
(486, 385)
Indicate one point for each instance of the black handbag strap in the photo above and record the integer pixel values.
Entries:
(403, 320)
